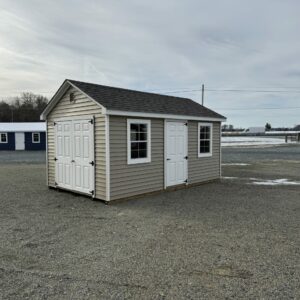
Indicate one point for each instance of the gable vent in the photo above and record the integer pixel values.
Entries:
(72, 99)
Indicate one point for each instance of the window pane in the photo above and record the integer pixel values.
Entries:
(134, 136)
(134, 154)
(3, 137)
(207, 136)
(134, 146)
(143, 136)
(204, 146)
(142, 146)
(143, 127)
(134, 128)
(143, 153)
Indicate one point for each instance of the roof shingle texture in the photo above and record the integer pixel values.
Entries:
(134, 101)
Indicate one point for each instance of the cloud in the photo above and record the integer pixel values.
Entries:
(158, 45)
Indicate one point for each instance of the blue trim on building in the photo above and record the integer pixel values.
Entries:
(10, 145)
(29, 145)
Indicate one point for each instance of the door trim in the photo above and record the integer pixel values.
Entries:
(165, 148)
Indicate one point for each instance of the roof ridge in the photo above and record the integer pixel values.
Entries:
(129, 90)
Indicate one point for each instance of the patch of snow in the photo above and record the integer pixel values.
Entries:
(236, 164)
(233, 141)
(227, 177)
(275, 182)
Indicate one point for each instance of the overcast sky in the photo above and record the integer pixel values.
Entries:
(161, 46)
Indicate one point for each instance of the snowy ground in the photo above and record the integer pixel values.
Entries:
(228, 141)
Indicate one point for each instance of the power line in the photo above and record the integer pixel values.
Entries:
(234, 91)
(261, 108)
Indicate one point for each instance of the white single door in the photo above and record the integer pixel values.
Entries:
(63, 158)
(75, 155)
(83, 156)
(176, 153)
(20, 141)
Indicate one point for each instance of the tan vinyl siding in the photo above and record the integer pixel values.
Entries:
(201, 169)
(130, 180)
(82, 106)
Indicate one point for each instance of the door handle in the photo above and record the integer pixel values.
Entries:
(72, 160)
(168, 158)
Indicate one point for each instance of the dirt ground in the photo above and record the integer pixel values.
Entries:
(223, 240)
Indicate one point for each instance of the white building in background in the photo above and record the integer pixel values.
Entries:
(255, 130)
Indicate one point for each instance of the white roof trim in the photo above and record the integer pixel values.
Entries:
(23, 127)
(103, 108)
(161, 116)
(57, 96)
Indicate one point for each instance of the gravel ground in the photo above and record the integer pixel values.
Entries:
(223, 240)
(250, 154)
(31, 157)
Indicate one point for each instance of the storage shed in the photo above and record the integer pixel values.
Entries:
(23, 136)
(112, 143)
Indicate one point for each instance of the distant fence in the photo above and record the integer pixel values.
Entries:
(292, 135)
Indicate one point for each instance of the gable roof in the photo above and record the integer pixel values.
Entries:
(123, 100)
(23, 127)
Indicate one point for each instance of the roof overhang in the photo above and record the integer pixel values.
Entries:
(58, 95)
(162, 116)
(67, 84)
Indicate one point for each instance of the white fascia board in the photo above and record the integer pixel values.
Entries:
(161, 116)
(61, 91)
(57, 96)
(77, 88)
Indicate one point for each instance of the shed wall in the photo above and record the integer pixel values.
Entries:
(129, 180)
(10, 145)
(202, 169)
(82, 106)
(29, 145)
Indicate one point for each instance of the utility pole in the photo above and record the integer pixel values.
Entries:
(202, 94)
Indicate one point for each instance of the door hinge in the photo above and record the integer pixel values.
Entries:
(186, 157)
(55, 183)
(186, 124)
(54, 123)
(186, 181)
(91, 163)
(91, 121)
(55, 159)
(92, 192)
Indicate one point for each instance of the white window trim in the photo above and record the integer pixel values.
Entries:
(39, 135)
(6, 137)
(209, 154)
(138, 160)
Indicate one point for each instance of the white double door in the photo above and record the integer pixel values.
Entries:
(74, 159)
(176, 152)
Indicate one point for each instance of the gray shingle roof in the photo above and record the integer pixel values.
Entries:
(134, 101)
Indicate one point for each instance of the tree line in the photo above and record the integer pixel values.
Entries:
(24, 108)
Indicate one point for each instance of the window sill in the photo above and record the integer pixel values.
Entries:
(204, 155)
(138, 161)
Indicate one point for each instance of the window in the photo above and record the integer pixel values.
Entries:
(138, 141)
(3, 137)
(35, 137)
(204, 139)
